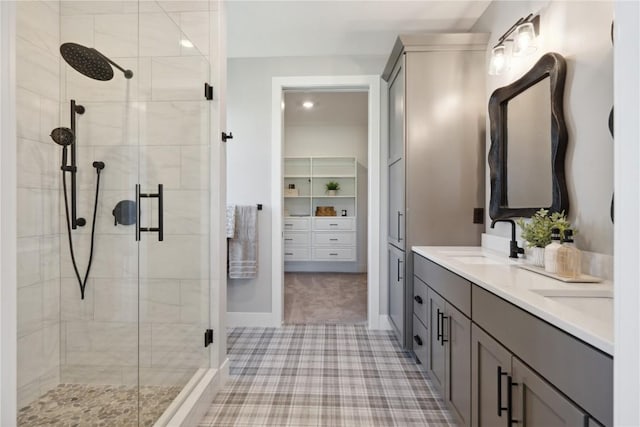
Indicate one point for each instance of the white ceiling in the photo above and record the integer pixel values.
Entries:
(331, 108)
(338, 27)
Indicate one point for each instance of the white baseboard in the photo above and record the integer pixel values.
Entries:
(195, 405)
(249, 319)
(384, 323)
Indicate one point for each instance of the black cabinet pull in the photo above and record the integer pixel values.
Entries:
(443, 339)
(160, 228)
(418, 299)
(398, 275)
(288, 253)
(500, 407)
(417, 339)
(399, 215)
(510, 385)
(438, 326)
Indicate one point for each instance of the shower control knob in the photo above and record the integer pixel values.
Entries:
(225, 137)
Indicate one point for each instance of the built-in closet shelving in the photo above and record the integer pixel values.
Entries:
(320, 238)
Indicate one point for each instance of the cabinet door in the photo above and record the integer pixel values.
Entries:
(457, 337)
(396, 115)
(436, 360)
(396, 204)
(537, 404)
(396, 291)
(490, 366)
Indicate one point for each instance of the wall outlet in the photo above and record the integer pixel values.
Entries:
(478, 215)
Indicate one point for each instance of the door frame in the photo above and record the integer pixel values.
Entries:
(372, 85)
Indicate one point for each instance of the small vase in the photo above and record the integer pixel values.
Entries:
(331, 193)
(534, 256)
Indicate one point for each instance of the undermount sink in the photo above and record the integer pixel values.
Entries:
(597, 303)
(480, 259)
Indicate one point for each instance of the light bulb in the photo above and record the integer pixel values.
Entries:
(525, 40)
(186, 43)
(499, 60)
(308, 105)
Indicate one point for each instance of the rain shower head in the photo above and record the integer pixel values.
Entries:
(62, 136)
(90, 62)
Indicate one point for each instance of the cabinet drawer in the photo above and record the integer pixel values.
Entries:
(334, 223)
(420, 341)
(296, 224)
(420, 301)
(452, 287)
(296, 253)
(331, 239)
(296, 239)
(334, 254)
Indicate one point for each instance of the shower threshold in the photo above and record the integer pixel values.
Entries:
(98, 405)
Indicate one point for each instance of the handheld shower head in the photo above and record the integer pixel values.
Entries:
(62, 136)
(90, 62)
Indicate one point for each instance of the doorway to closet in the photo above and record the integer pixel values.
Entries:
(324, 200)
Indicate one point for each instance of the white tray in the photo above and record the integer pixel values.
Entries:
(583, 278)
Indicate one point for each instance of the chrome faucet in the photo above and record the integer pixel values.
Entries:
(514, 249)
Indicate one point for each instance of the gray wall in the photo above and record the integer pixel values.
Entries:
(249, 155)
(580, 31)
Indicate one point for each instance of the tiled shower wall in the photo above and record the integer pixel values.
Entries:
(151, 129)
(37, 99)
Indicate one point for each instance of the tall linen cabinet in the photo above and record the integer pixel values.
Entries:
(436, 155)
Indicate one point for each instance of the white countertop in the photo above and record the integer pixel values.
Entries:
(502, 277)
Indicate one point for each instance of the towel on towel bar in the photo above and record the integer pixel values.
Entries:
(231, 221)
(243, 247)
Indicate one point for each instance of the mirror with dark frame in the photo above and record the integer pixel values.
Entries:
(528, 142)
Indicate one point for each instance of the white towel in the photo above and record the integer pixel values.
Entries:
(231, 221)
(243, 247)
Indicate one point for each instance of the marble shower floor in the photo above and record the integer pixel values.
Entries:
(325, 298)
(97, 405)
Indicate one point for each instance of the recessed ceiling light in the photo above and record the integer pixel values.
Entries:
(186, 43)
(308, 105)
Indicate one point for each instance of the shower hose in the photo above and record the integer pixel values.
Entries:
(81, 282)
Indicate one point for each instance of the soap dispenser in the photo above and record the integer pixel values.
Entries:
(568, 257)
(551, 252)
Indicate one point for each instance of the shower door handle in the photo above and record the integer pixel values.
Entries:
(160, 228)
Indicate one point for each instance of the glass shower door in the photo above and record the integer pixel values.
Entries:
(174, 135)
(137, 337)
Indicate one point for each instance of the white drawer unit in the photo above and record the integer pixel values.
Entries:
(296, 238)
(334, 254)
(296, 253)
(298, 224)
(326, 238)
(334, 223)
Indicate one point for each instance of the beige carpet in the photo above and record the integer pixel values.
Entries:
(325, 298)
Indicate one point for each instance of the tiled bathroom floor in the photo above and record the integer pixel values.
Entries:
(325, 298)
(97, 405)
(323, 375)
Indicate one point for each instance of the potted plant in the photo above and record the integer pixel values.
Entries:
(332, 188)
(537, 233)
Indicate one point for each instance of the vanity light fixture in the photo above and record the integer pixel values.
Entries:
(308, 104)
(524, 33)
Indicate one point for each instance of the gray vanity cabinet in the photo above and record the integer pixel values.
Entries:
(449, 352)
(436, 363)
(490, 367)
(396, 288)
(503, 386)
(537, 404)
(457, 329)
